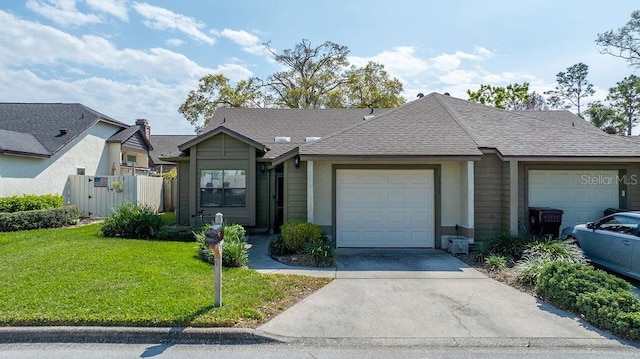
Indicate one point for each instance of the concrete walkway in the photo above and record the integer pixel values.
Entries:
(427, 294)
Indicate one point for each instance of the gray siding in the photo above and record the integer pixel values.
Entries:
(295, 189)
(488, 196)
(182, 209)
(223, 152)
(262, 198)
(135, 143)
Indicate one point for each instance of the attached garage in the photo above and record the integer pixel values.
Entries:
(385, 208)
(582, 195)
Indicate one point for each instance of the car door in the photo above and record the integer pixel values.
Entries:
(610, 242)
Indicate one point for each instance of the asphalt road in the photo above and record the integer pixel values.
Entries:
(313, 350)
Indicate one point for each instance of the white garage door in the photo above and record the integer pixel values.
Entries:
(582, 195)
(384, 208)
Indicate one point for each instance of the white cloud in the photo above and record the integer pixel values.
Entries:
(248, 42)
(240, 37)
(41, 44)
(62, 12)
(174, 42)
(399, 62)
(117, 8)
(163, 19)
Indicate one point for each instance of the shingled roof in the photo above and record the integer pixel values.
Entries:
(435, 125)
(42, 129)
(263, 125)
(535, 133)
(166, 146)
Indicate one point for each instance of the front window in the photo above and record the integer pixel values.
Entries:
(222, 188)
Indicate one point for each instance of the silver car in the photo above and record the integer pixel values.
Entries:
(613, 242)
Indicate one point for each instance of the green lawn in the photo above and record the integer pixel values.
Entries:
(72, 276)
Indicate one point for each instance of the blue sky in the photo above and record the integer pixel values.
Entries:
(137, 59)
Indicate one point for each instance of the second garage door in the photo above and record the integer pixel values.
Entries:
(582, 195)
(385, 208)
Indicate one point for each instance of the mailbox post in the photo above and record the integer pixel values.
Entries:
(214, 237)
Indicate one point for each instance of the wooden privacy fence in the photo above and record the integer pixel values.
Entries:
(96, 196)
(169, 194)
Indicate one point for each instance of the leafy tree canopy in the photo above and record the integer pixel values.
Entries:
(512, 97)
(571, 88)
(625, 99)
(313, 77)
(623, 42)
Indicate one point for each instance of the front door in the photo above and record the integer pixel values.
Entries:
(279, 217)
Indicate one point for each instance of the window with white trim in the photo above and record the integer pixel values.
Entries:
(223, 188)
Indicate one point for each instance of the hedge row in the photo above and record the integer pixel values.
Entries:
(30, 202)
(48, 218)
(603, 299)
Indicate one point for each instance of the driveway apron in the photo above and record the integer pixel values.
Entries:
(421, 294)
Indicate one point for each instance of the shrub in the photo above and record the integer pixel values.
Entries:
(320, 253)
(503, 244)
(49, 218)
(542, 252)
(495, 262)
(603, 308)
(129, 220)
(176, 233)
(30, 202)
(562, 283)
(297, 234)
(234, 251)
(277, 247)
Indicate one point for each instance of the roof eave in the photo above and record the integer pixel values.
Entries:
(398, 158)
(221, 129)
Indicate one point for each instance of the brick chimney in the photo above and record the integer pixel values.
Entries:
(144, 125)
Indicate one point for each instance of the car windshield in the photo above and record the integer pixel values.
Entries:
(620, 224)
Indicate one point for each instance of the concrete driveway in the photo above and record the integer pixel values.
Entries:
(420, 294)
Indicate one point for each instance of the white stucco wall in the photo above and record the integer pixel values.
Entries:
(25, 175)
(453, 188)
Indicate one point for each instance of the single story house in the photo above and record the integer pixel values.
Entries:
(41, 144)
(164, 146)
(414, 176)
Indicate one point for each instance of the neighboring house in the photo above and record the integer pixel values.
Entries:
(165, 146)
(41, 144)
(413, 176)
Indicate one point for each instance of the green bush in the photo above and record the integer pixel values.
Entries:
(542, 252)
(604, 307)
(495, 262)
(562, 283)
(277, 247)
(48, 218)
(503, 244)
(234, 251)
(129, 220)
(30, 202)
(297, 234)
(320, 253)
(176, 233)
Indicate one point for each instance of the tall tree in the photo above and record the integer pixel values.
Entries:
(512, 97)
(215, 91)
(605, 117)
(314, 77)
(624, 42)
(367, 87)
(312, 72)
(536, 102)
(625, 98)
(572, 87)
